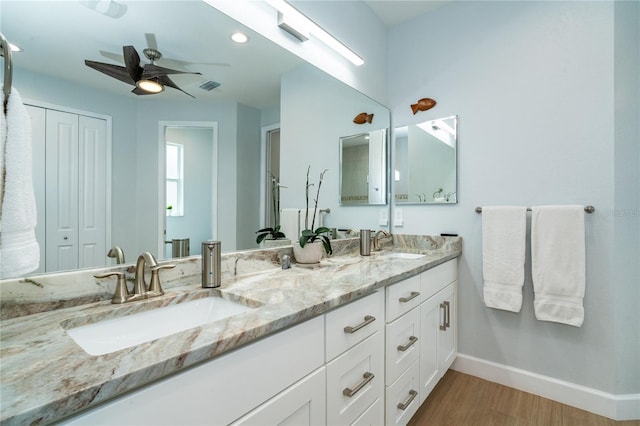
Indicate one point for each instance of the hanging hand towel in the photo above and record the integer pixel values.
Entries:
(558, 263)
(19, 250)
(290, 223)
(504, 231)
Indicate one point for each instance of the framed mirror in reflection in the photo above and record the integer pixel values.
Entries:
(249, 100)
(363, 168)
(425, 162)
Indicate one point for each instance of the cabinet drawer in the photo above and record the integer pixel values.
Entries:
(402, 347)
(435, 279)
(355, 380)
(301, 404)
(402, 297)
(351, 324)
(374, 416)
(402, 397)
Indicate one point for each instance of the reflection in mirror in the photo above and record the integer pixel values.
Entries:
(363, 168)
(425, 169)
(248, 101)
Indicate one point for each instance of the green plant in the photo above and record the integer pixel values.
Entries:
(273, 233)
(310, 235)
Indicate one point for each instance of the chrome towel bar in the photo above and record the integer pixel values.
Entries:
(588, 209)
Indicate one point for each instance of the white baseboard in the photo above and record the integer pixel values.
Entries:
(617, 407)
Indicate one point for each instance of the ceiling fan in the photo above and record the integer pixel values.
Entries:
(148, 78)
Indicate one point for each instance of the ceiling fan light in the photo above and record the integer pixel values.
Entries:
(150, 86)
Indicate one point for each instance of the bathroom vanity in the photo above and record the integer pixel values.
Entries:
(352, 340)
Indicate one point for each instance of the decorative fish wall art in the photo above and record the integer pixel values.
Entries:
(423, 105)
(362, 118)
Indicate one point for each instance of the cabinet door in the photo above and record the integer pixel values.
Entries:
(62, 191)
(92, 192)
(447, 342)
(430, 314)
(302, 404)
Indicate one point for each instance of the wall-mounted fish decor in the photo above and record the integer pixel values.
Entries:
(423, 105)
(362, 118)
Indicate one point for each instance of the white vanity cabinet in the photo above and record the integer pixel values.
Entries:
(355, 362)
(438, 333)
(224, 389)
(402, 351)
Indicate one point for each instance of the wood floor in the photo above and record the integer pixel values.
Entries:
(460, 399)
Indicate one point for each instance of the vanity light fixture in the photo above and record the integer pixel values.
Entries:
(293, 21)
(239, 37)
(151, 86)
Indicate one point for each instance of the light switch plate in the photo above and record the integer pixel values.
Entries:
(383, 218)
(398, 218)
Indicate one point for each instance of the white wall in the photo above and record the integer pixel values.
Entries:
(532, 83)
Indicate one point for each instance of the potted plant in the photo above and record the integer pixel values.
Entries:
(312, 241)
(272, 237)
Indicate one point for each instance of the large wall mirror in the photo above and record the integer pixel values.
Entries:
(58, 36)
(363, 168)
(425, 162)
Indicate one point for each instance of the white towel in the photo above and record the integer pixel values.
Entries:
(558, 263)
(290, 223)
(504, 231)
(19, 250)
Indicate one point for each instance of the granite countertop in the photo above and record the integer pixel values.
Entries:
(46, 376)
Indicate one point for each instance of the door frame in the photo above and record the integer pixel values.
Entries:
(162, 164)
(265, 140)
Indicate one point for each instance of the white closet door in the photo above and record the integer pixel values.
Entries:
(92, 194)
(62, 191)
(38, 137)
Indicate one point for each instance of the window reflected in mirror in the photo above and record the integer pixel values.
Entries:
(425, 162)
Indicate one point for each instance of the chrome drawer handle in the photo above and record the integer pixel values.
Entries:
(412, 395)
(412, 340)
(414, 294)
(447, 305)
(443, 325)
(368, 319)
(351, 392)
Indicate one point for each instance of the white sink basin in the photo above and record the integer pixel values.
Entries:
(398, 255)
(113, 334)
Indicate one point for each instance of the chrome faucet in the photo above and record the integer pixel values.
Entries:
(376, 238)
(117, 253)
(139, 284)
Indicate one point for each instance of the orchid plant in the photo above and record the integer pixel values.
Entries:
(309, 234)
(273, 233)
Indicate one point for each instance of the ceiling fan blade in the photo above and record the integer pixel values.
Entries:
(152, 70)
(168, 82)
(132, 62)
(115, 71)
(177, 63)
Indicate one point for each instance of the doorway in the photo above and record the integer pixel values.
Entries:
(188, 164)
(270, 170)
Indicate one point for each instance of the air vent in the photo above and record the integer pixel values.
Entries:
(209, 85)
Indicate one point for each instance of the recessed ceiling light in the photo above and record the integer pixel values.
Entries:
(239, 37)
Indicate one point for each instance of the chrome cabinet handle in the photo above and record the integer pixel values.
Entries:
(443, 325)
(368, 319)
(412, 340)
(403, 405)
(447, 311)
(413, 295)
(351, 392)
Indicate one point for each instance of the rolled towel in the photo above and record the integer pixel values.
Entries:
(19, 250)
(503, 255)
(558, 263)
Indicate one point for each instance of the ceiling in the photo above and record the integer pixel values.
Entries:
(394, 12)
(56, 36)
